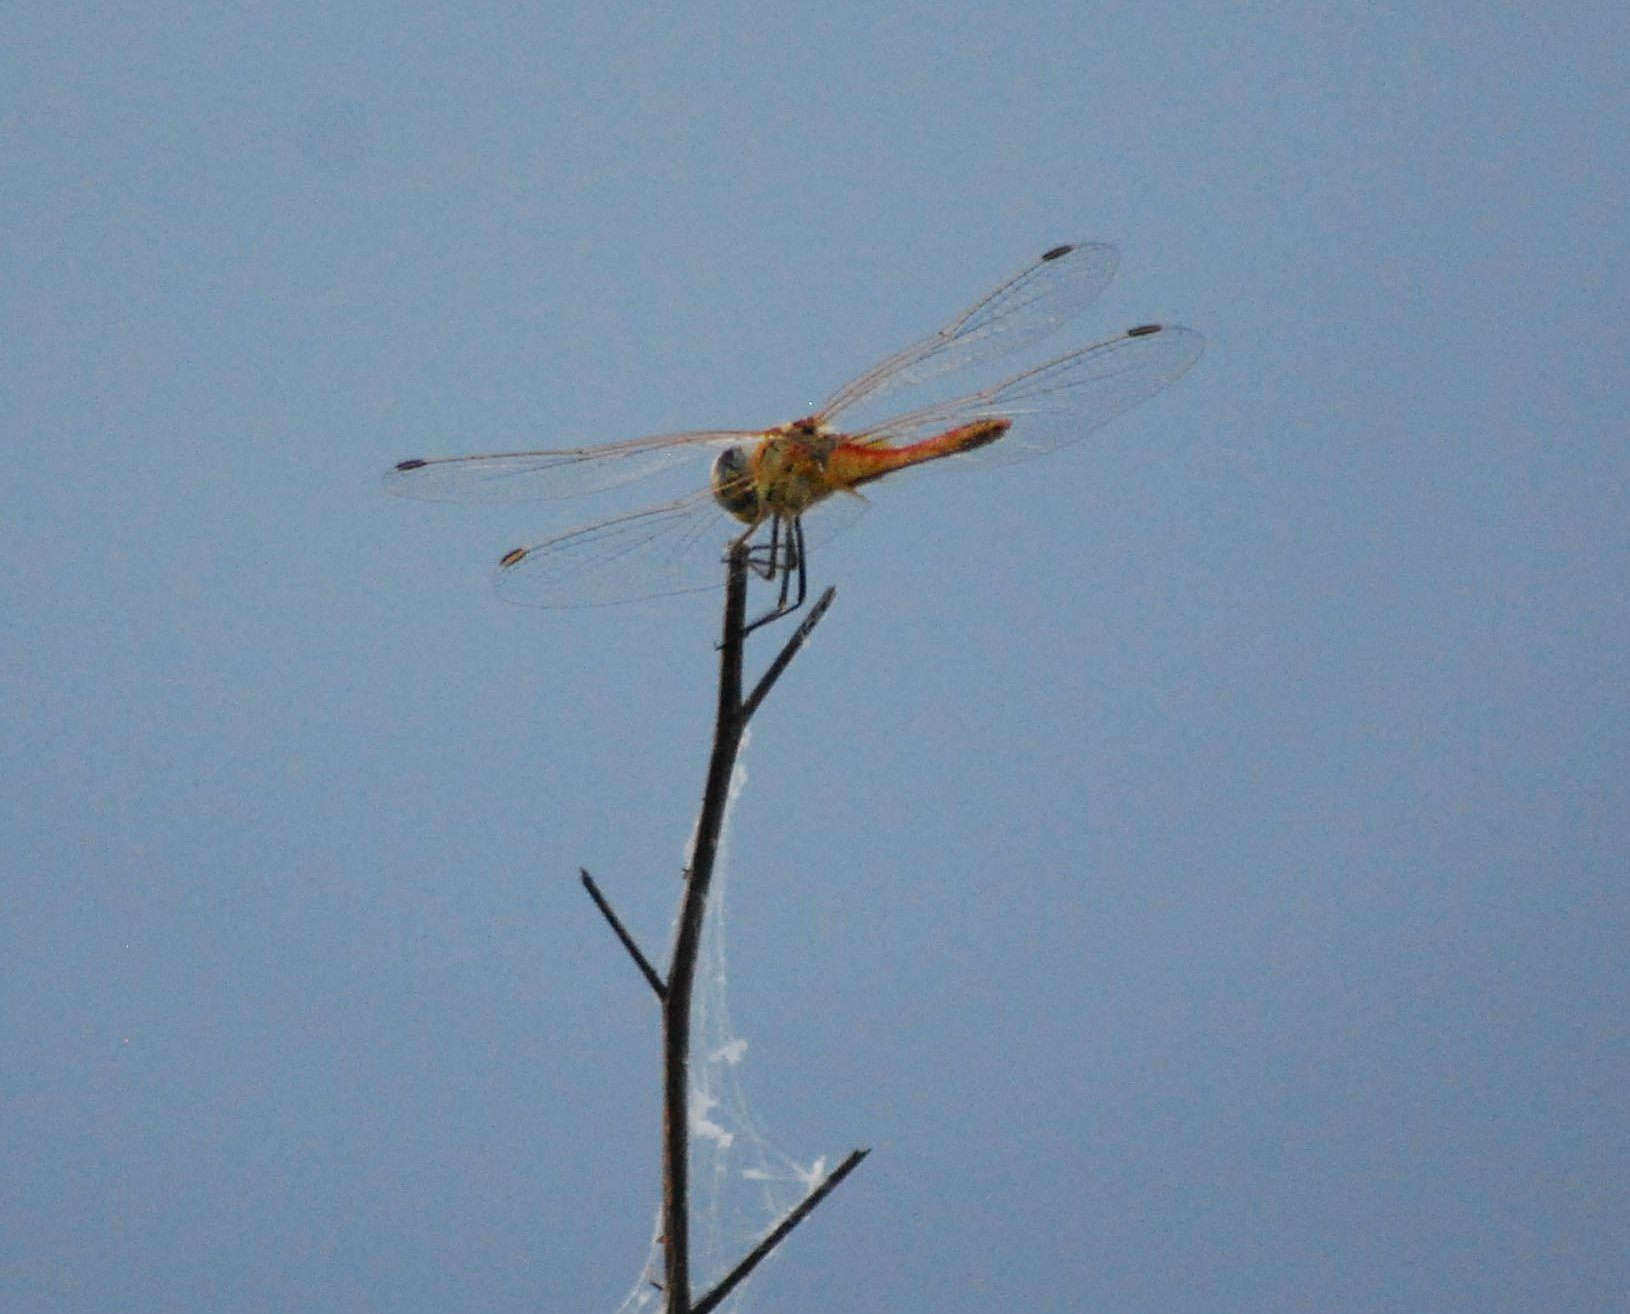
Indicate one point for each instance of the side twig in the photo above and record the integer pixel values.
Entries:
(784, 658)
(776, 1234)
(640, 960)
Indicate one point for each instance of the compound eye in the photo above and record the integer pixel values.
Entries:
(733, 488)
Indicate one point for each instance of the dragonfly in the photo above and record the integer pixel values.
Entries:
(765, 484)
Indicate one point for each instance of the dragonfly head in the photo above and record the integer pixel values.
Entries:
(733, 486)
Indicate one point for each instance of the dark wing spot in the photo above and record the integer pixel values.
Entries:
(510, 558)
(1058, 251)
(1144, 330)
(414, 464)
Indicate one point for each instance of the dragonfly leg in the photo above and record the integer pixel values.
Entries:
(784, 567)
(783, 557)
(797, 562)
(765, 558)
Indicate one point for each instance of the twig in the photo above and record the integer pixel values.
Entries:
(730, 723)
(640, 960)
(788, 652)
(778, 1233)
(676, 1005)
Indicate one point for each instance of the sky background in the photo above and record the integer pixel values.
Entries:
(1194, 863)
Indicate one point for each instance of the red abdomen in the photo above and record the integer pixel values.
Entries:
(855, 463)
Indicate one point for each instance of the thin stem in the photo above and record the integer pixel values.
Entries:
(788, 651)
(778, 1233)
(676, 1005)
(730, 723)
(640, 960)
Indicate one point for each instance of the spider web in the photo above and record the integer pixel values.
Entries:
(741, 1182)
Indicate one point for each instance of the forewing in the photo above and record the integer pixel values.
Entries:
(1010, 317)
(1061, 400)
(530, 476)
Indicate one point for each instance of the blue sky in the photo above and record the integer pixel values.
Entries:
(1195, 863)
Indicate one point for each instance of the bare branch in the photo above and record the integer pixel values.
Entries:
(777, 1234)
(788, 651)
(730, 723)
(640, 960)
(676, 1005)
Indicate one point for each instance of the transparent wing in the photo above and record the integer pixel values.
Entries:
(1014, 315)
(528, 476)
(674, 547)
(1061, 400)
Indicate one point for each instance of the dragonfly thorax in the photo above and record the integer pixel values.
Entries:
(784, 473)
